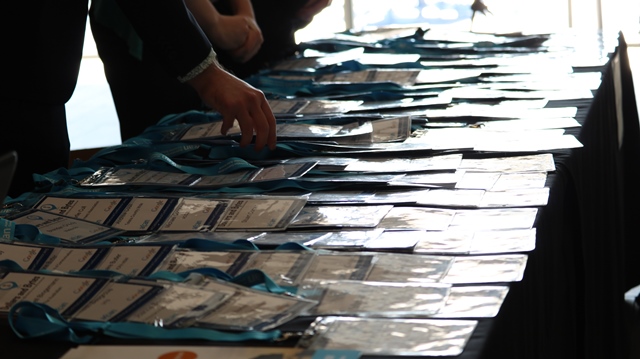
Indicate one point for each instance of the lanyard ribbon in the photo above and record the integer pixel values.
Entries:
(34, 320)
(25, 233)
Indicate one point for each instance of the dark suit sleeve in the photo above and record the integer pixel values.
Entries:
(170, 32)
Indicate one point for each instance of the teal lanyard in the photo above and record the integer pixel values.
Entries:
(33, 320)
(253, 278)
(25, 233)
(36, 320)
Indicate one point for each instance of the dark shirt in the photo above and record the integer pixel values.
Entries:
(169, 31)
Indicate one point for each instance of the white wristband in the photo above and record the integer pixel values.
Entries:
(210, 59)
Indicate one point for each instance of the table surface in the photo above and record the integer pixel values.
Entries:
(550, 312)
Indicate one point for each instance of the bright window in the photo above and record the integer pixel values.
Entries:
(504, 16)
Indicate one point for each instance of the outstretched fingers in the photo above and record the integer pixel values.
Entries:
(246, 123)
(256, 119)
(271, 120)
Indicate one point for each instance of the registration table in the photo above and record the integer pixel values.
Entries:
(432, 195)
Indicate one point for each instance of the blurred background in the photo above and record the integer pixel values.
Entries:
(92, 120)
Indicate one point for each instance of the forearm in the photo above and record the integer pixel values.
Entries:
(205, 13)
(203, 80)
(169, 30)
(242, 7)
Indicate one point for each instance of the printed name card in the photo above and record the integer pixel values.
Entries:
(151, 214)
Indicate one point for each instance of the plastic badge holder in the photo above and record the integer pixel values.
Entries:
(526, 197)
(325, 163)
(417, 218)
(339, 197)
(394, 241)
(412, 268)
(386, 337)
(179, 304)
(346, 240)
(494, 219)
(403, 165)
(446, 179)
(250, 309)
(209, 130)
(284, 267)
(340, 266)
(275, 172)
(184, 260)
(487, 269)
(507, 241)
(379, 299)
(520, 180)
(134, 214)
(68, 230)
(531, 163)
(274, 239)
(223, 237)
(340, 216)
(401, 77)
(133, 260)
(261, 213)
(134, 176)
(454, 242)
(452, 198)
(398, 195)
(361, 179)
(65, 293)
(473, 302)
(449, 242)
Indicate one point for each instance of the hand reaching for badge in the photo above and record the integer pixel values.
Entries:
(235, 99)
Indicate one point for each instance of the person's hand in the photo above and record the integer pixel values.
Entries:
(237, 100)
(239, 35)
(253, 40)
(311, 9)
